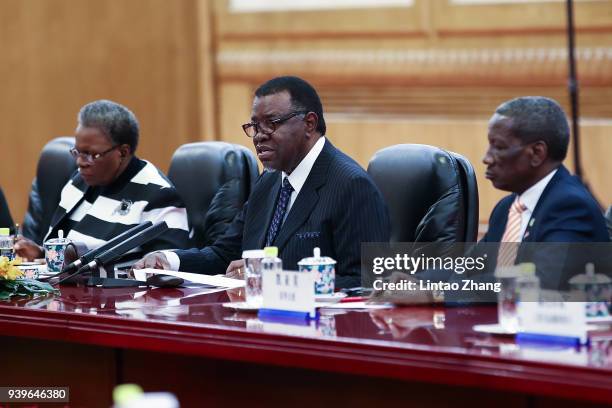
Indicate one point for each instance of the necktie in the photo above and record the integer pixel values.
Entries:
(279, 212)
(507, 253)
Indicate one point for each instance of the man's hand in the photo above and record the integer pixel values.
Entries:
(27, 249)
(154, 260)
(235, 269)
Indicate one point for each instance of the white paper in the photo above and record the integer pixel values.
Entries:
(215, 280)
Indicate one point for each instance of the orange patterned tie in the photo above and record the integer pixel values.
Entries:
(507, 253)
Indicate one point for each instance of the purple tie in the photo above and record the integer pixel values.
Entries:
(279, 212)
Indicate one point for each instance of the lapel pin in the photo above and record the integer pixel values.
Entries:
(531, 222)
(124, 207)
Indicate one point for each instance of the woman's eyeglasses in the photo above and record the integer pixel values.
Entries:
(90, 157)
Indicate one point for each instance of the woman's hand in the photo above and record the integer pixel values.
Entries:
(27, 249)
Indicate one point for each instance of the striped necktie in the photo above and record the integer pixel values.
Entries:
(507, 253)
(279, 212)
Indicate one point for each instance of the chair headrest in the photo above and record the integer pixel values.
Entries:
(413, 178)
(55, 166)
(202, 170)
(199, 169)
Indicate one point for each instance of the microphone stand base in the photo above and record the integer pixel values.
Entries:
(114, 282)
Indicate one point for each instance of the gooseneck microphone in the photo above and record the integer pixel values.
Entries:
(120, 249)
(90, 255)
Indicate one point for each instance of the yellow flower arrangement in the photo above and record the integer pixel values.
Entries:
(8, 270)
(13, 283)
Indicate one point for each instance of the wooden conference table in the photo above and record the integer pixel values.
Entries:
(185, 342)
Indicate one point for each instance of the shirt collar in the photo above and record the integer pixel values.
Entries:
(530, 197)
(298, 177)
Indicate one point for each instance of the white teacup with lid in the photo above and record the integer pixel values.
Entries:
(324, 270)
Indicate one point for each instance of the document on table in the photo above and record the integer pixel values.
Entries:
(214, 280)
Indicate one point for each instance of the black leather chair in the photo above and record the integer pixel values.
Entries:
(6, 221)
(609, 221)
(55, 166)
(469, 186)
(214, 179)
(430, 193)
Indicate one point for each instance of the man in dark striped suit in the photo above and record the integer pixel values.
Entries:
(310, 194)
(113, 190)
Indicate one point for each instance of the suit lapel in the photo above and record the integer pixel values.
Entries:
(535, 216)
(527, 234)
(266, 205)
(307, 198)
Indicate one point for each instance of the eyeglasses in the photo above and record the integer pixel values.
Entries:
(90, 157)
(268, 127)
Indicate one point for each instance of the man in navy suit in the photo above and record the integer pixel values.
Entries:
(310, 194)
(528, 140)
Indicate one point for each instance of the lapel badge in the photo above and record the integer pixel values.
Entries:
(531, 222)
(124, 207)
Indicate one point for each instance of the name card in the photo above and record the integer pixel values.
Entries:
(553, 321)
(288, 292)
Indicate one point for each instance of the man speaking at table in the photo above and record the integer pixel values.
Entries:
(310, 194)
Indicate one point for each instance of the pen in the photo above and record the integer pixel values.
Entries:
(354, 299)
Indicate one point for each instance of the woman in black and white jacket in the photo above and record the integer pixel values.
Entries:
(112, 190)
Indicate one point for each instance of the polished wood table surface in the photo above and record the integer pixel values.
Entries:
(184, 341)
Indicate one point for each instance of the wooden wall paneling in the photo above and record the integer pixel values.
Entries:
(478, 67)
(208, 92)
(595, 150)
(451, 102)
(505, 18)
(317, 25)
(236, 100)
(58, 55)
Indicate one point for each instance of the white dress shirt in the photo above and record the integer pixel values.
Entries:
(297, 178)
(530, 198)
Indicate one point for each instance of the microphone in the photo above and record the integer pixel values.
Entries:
(90, 255)
(121, 248)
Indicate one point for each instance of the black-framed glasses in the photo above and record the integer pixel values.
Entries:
(90, 157)
(267, 127)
